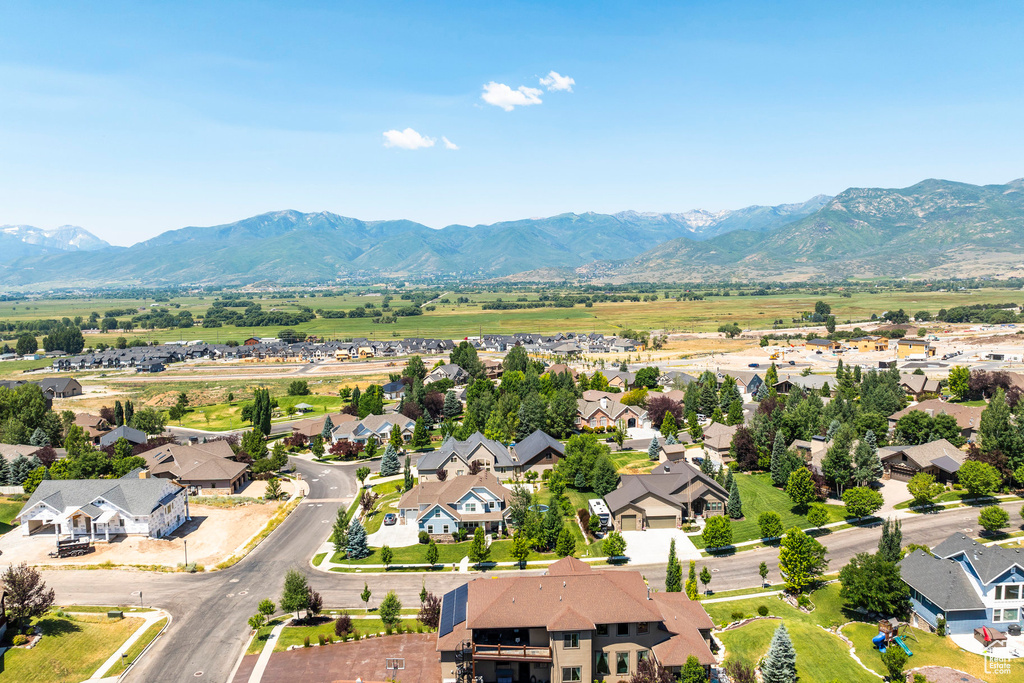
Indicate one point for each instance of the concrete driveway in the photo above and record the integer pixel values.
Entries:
(397, 535)
(893, 492)
(651, 546)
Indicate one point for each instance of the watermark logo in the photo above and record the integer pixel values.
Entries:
(995, 664)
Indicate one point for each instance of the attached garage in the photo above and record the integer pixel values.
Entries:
(901, 472)
(628, 522)
(661, 522)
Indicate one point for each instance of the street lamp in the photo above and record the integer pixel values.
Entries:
(186, 553)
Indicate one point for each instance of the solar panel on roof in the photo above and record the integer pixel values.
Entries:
(453, 609)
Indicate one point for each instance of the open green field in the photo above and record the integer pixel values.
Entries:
(71, 649)
(758, 495)
(456, 321)
(222, 416)
(8, 509)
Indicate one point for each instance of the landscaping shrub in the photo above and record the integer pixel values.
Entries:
(388, 629)
(424, 537)
(343, 625)
(740, 673)
(19, 639)
(737, 615)
(355, 635)
(320, 637)
(305, 642)
(803, 601)
(918, 678)
(763, 610)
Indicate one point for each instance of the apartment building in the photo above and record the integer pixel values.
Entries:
(550, 627)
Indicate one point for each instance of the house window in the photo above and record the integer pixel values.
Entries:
(601, 664)
(458, 473)
(621, 663)
(1008, 592)
(470, 507)
(445, 528)
(602, 629)
(572, 673)
(1011, 614)
(622, 629)
(491, 504)
(571, 641)
(642, 655)
(453, 459)
(641, 628)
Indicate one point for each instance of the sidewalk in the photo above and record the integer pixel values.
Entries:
(268, 649)
(150, 619)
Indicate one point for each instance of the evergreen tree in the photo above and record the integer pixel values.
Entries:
(771, 377)
(408, 474)
(673, 571)
(118, 413)
(452, 406)
(867, 466)
(357, 547)
(692, 425)
(39, 438)
(728, 477)
(129, 412)
(779, 462)
(671, 440)
(833, 428)
(779, 665)
(566, 543)
(371, 447)
(652, 450)
(532, 416)
(836, 465)
(355, 400)
(339, 531)
(603, 478)
(5, 472)
(389, 464)
(692, 672)
(735, 415)
(735, 505)
(395, 438)
(325, 433)
(420, 436)
(891, 541)
(479, 551)
(691, 581)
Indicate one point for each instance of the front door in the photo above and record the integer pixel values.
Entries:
(524, 672)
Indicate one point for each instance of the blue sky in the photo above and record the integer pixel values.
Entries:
(133, 118)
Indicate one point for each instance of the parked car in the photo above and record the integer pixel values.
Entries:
(792, 362)
(753, 365)
(390, 518)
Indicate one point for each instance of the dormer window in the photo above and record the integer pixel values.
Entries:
(469, 507)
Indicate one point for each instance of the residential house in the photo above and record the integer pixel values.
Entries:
(394, 390)
(104, 507)
(537, 452)
(606, 412)
(94, 426)
(914, 349)
(559, 368)
(617, 379)
(968, 418)
(133, 436)
(915, 385)
(940, 459)
(868, 344)
(718, 440)
(314, 426)
(205, 469)
(493, 368)
(747, 382)
(675, 452)
(448, 371)
(663, 500)
(464, 502)
(60, 387)
(824, 345)
(806, 382)
(573, 623)
(968, 584)
(374, 426)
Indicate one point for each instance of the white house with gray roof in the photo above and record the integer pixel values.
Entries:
(101, 508)
(538, 452)
(969, 584)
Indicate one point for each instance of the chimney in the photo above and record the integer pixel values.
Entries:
(144, 474)
(930, 412)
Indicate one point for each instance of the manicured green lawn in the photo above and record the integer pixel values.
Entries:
(632, 462)
(229, 415)
(71, 649)
(585, 547)
(8, 509)
(929, 650)
(257, 643)
(758, 495)
(137, 647)
(447, 553)
(385, 505)
(949, 497)
(296, 635)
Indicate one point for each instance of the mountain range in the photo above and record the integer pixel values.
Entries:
(19, 241)
(931, 227)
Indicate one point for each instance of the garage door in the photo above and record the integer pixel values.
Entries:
(901, 473)
(661, 522)
(628, 522)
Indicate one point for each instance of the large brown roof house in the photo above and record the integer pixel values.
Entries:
(663, 499)
(551, 627)
(968, 418)
(207, 467)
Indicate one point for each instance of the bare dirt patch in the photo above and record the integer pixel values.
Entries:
(213, 534)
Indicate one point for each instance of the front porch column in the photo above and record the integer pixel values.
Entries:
(106, 532)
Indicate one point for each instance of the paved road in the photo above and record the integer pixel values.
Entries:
(210, 610)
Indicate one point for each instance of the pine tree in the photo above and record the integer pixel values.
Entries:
(673, 571)
(867, 466)
(357, 547)
(420, 437)
(389, 464)
(452, 406)
(408, 474)
(129, 412)
(891, 541)
(779, 464)
(652, 450)
(325, 433)
(833, 427)
(779, 665)
(39, 438)
(669, 427)
(671, 440)
(735, 505)
(5, 472)
(728, 477)
(771, 377)
(118, 413)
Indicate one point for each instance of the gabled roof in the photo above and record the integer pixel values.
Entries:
(464, 450)
(940, 580)
(136, 497)
(199, 462)
(448, 492)
(535, 444)
(719, 436)
(989, 562)
(671, 487)
(940, 453)
(967, 417)
(132, 435)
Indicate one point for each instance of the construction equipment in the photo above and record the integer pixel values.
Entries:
(71, 547)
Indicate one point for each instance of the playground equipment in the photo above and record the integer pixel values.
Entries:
(893, 631)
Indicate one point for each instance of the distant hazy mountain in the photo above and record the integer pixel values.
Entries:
(18, 241)
(935, 227)
(935, 224)
(289, 246)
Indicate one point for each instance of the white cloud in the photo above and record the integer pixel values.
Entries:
(406, 139)
(555, 81)
(500, 95)
(448, 144)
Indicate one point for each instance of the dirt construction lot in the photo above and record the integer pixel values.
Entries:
(213, 534)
